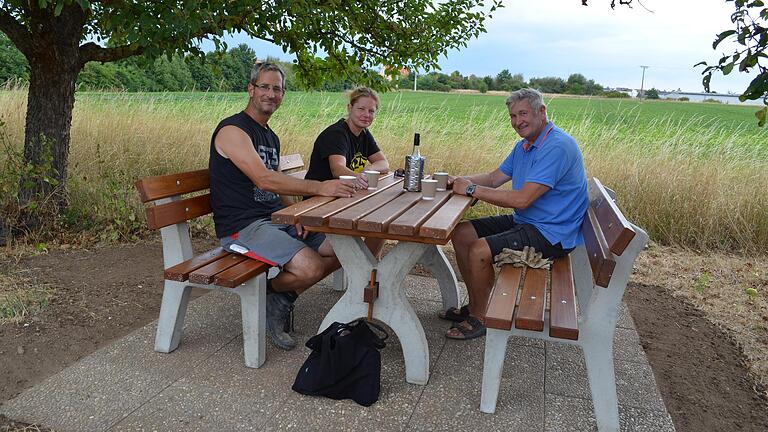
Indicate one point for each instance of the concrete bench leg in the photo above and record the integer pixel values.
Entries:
(493, 364)
(172, 312)
(598, 354)
(253, 301)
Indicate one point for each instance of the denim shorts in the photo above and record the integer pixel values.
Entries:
(274, 244)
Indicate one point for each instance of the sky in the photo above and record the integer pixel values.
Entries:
(561, 37)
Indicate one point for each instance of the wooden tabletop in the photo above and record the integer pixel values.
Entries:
(388, 212)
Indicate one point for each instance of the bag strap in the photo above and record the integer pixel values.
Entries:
(379, 328)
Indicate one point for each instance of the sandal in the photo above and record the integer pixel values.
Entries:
(453, 314)
(475, 329)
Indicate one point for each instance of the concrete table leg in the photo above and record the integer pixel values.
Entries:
(435, 261)
(392, 307)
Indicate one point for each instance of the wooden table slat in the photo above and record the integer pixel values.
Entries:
(319, 216)
(379, 220)
(501, 303)
(562, 298)
(408, 223)
(205, 274)
(348, 218)
(530, 312)
(383, 235)
(442, 223)
(290, 215)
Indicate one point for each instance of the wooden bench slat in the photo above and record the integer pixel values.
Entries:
(180, 272)
(157, 187)
(290, 162)
(501, 303)
(440, 224)
(317, 216)
(600, 258)
(178, 211)
(411, 220)
(563, 323)
(379, 220)
(348, 218)
(530, 311)
(204, 275)
(616, 229)
(240, 273)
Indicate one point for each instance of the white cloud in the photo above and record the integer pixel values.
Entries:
(560, 37)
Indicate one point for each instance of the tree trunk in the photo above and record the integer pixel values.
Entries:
(54, 66)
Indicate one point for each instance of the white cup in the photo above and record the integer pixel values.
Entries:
(373, 179)
(428, 189)
(442, 180)
(352, 178)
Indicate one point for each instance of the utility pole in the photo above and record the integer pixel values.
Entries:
(642, 81)
(415, 75)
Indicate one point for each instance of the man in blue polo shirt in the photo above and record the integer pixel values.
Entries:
(548, 195)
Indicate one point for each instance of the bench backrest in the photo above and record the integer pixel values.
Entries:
(606, 233)
(170, 188)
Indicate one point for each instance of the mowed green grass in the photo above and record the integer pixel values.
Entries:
(703, 128)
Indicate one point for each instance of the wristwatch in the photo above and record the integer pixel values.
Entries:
(470, 189)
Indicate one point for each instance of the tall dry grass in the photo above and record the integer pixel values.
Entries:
(691, 184)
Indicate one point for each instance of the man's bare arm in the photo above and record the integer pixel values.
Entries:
(233, 143)
(520, 199)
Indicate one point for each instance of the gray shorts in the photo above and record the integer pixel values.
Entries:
(274, 244)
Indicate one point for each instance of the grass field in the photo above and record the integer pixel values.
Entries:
(693, 174)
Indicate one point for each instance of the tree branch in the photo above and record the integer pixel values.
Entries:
(93, 52)
(19, 35)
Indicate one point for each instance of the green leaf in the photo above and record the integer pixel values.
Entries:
(721, 37)
(727, 68)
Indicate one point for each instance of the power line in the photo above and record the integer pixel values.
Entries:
(642, 81)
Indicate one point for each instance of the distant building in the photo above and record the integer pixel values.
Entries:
(700, 97)
(625, 90)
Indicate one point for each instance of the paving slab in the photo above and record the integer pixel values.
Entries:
(204, 384)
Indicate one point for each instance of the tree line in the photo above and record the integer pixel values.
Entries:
(576, 84)
(228, 70)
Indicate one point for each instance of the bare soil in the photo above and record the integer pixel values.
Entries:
(103, 294)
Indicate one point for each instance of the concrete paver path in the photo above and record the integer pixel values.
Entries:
(204, 385)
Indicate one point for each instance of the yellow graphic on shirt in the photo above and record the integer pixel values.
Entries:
(358, 162)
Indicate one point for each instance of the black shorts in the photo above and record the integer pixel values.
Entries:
(503, 232)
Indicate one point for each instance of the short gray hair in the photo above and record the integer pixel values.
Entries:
(532, 96)
(260, 66)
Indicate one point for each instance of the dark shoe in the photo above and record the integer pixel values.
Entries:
(453, 314)
(470, 328)
(279, 308)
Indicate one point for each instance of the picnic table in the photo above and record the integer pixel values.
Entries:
(419, 226)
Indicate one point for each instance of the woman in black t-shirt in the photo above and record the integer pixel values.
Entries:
(347, 147)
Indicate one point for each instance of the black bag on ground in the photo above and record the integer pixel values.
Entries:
(345, 363)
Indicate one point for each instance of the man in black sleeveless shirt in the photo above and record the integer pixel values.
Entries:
(246, 188)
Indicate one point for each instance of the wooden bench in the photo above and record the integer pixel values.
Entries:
(595, 275)
(169, 210)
